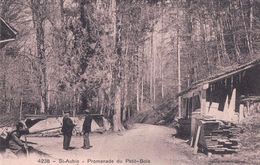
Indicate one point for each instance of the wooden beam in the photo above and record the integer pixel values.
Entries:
(197, 140)
(49, 129)
(7, 40)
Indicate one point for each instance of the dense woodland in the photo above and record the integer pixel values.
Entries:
(119, 57)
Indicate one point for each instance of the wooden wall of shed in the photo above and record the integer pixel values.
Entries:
(250, 85)
(219, 90)
(190, 103)
(246, 83)
(217, 93)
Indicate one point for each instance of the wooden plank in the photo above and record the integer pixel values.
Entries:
(222, 140)
(228, 143)
(26, 146)
(197, 140)
(232, 150)
(235, 147)
(234, 139)
(191, 141)
(215, 146)
(220, 149)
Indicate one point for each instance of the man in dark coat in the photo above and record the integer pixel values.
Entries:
(86, 129)
(67, 128)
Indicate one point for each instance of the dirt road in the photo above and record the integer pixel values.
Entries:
(144, 144)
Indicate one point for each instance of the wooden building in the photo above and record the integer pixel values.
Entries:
(227, 96)
(7, 34)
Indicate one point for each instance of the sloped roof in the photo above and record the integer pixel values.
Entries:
(222, 75)
(7, 32)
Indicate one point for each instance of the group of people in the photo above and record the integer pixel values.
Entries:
(68, 126)
(20, 148)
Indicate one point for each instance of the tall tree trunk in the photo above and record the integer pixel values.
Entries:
(161, 56)
(205, 46)
(142, 94)
(21, 109)
(222, 39)
(63, 30)
(74, 98)
(125, 104)
(137, 95)
(142, 80)
(178, 63)
(117, 124)
(246, 29)
(179, 71)
(234, 35)
(9, 107)
(126, 70)
(116, 75)
(154, 79)
(251, 24)
(217, 32)
(38, 10)
(151, 67)
(137, 82)
(4, 68)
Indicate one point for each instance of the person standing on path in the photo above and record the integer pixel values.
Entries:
(86, 129)
(67, 128)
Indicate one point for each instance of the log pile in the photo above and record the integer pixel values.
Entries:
(217, 137)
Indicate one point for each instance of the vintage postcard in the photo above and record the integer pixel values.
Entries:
(129, 82)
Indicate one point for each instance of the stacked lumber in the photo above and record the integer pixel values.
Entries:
(219, 137)
(250, 98)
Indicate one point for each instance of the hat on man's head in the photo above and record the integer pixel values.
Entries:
(20, 124)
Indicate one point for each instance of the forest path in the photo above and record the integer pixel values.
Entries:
(154, 144)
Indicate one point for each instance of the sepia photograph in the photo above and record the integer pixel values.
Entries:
(129, 82)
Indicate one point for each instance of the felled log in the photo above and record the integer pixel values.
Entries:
(44, 130)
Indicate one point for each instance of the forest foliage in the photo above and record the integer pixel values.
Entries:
(119, 57)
